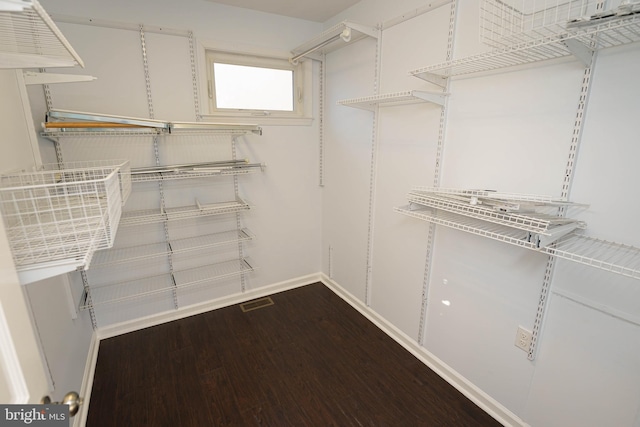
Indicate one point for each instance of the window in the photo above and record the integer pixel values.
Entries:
(242, 85)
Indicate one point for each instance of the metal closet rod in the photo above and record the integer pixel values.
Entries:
(313, 49)
(345, 35)
(225, 163)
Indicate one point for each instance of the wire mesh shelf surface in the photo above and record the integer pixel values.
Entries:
(396, 98)
(54, 216)
(196, 170)
(60, 123)
(604, 255)
(486, 209)
(150, 216)
(160, 249)
(504, 22)
(30, 39)
(617, 31)
(119, 292)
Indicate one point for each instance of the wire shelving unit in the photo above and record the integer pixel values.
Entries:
(397, 98)
(174, 245)
(505, 22)
(571, 245)
(30, 39)
(150, 216)
(166, 283)
(580, 41)
(161, 249)
(196, 170)
(66, 123)
(515, 213)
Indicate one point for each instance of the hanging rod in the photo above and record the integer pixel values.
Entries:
(345, 31)
(345, 35)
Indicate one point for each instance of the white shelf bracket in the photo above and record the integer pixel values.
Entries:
(581, 51)
(434, 98)
(364, 29)
(436, 79)
(542, 240)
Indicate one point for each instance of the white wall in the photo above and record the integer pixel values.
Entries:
(286, 197)
(508, 131)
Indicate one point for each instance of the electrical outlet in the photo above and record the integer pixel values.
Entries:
(523, 339)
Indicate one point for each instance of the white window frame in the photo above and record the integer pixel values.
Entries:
(251, 56)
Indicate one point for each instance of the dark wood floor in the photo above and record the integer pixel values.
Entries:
(308, 360)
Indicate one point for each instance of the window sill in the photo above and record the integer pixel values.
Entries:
(259, 120)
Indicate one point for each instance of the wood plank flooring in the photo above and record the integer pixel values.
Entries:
(308, 360)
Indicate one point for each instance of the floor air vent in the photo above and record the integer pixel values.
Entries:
(256, 304)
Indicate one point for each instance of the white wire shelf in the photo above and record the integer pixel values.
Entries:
(615, 32)
(124, 255)
(30, 39)
(58, 219)
(334, 38)
(58, 135)
(150, 216)
(196, 170)
(491, 194)
(504, 22)
(61, 123)
(397, 98)
(532, 222)
(119, 292)
(208, 273)
(604, 255)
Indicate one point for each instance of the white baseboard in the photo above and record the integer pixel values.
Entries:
(168, 316)
(472, 392)
(87, 381)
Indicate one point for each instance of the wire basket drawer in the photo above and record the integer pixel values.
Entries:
(124, 171)
(504, 22)
(56, 216)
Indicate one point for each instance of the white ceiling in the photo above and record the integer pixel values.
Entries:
(311, 10)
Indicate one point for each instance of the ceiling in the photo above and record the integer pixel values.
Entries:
(310, 10)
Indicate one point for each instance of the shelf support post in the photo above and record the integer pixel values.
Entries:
(444, 83)
(566, 188)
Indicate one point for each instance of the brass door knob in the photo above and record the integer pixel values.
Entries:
(71, 399)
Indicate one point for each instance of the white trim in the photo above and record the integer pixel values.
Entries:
(87, 381)
(259, 120)
(9, 359)
(472, 392)
(157, 319)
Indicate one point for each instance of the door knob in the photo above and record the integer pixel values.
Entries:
(72, 399)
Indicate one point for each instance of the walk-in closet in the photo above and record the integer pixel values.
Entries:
(236, 193)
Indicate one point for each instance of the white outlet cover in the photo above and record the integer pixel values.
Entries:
(523, 339)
